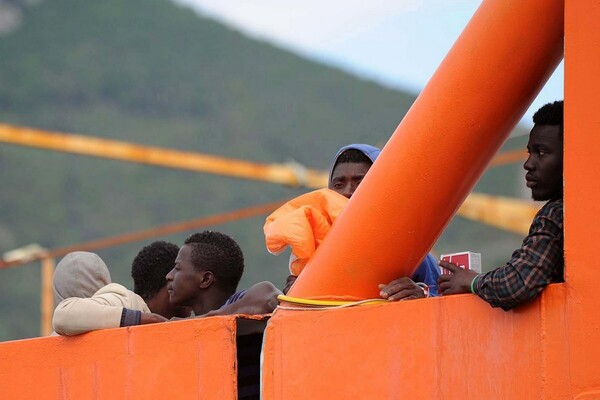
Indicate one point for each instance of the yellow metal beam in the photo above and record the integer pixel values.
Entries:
(286, 174)
(508, 157)
(504, 213)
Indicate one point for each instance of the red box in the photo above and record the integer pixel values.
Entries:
(465, 260)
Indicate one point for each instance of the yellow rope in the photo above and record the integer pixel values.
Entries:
(327, 303)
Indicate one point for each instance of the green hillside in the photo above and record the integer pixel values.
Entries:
(150, 72)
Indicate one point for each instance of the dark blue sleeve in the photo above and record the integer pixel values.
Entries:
(428, 273)
(234, 297)
(130, 317)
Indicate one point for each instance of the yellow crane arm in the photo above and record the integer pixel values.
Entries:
(292, 174)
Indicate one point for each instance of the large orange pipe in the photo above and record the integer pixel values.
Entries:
(478, 94)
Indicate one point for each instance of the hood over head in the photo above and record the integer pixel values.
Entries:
(371, 152)
(79, 274)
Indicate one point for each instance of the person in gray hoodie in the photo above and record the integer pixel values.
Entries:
(79, 274)
(87, 300)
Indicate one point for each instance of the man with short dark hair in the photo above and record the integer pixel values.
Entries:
(540, 260)
(206, 274)
(148, 271)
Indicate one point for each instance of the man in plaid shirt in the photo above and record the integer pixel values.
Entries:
(540, 260)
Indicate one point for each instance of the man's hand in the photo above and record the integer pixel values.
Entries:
(401, 289)
(457, 282)
(151, 318)
(289, 282)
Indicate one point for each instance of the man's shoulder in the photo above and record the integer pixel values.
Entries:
(549, 219)
(113, 288)
(235, 297)
(553, 209)
(117, 294)
(553, 205)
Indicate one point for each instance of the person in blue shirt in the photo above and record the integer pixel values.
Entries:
(350, 165)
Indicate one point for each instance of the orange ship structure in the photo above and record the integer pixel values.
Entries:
(439, 348)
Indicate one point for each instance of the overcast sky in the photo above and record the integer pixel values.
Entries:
(398, 43)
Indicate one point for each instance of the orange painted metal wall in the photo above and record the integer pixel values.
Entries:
(179, 360)
(443, 348)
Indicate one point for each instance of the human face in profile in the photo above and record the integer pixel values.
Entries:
(346, 177)
(545, 162)
(183, 281)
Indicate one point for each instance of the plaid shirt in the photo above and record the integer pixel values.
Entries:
(539, 262)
